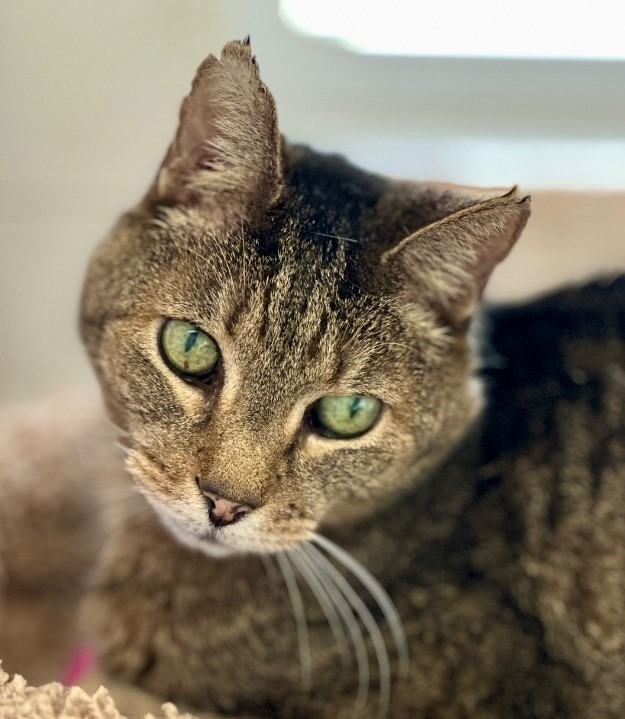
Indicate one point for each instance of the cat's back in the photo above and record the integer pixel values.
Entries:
(555, 374)
(553, 478)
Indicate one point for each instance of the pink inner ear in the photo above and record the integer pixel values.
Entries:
(226, 157)
(449, 262)
(513, 219)
(489, 258)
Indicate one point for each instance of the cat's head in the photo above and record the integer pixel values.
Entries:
(283, 336)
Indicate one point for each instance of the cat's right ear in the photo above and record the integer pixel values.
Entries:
(448, 262)
(226, 157)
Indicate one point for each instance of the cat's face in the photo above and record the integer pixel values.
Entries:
(282, 336)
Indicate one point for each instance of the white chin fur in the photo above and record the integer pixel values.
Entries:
(183, 524)
(187, 537)
(210, 548)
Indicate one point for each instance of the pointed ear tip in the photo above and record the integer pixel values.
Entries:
(513, 194)
(236, 53)
(238, 49)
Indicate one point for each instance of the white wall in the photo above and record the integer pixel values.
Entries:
(90, 94)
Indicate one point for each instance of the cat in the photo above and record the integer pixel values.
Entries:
(352, 511)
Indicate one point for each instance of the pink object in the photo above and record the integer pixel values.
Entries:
(81, 663)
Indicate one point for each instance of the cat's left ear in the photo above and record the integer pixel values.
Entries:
(226, 157)
(449, 262)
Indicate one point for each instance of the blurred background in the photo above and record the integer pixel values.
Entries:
(485, 94)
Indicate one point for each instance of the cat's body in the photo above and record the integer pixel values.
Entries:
(499, 537)
(507, 566)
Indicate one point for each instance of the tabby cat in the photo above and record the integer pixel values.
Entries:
(352, 513)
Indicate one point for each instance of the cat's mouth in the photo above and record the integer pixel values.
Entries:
(251, 535)
(211, 545)
(214, 527)
(206, 543)
(231, 541)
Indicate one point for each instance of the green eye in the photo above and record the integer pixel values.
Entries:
(345, 416)
(187, 349)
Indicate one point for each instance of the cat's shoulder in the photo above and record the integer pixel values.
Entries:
(553, 440)
(571, 342)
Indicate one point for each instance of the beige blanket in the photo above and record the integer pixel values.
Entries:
(18, 700)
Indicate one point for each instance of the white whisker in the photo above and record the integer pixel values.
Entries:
(118, 502)
(326, 604)
(122, 448)
(377, 591)
(368, 620)
(335, 237)
(299, 613)
(270, 568)
(349, 620)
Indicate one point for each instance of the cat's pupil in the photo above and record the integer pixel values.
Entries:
(345, 416)
(191, 340)
(355, 407)
(188, 350)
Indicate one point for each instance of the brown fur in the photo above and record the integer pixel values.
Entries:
(297, 314)
(315, 278)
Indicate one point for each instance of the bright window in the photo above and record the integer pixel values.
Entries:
(541, 29)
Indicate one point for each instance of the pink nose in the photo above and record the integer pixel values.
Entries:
(222, 511)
